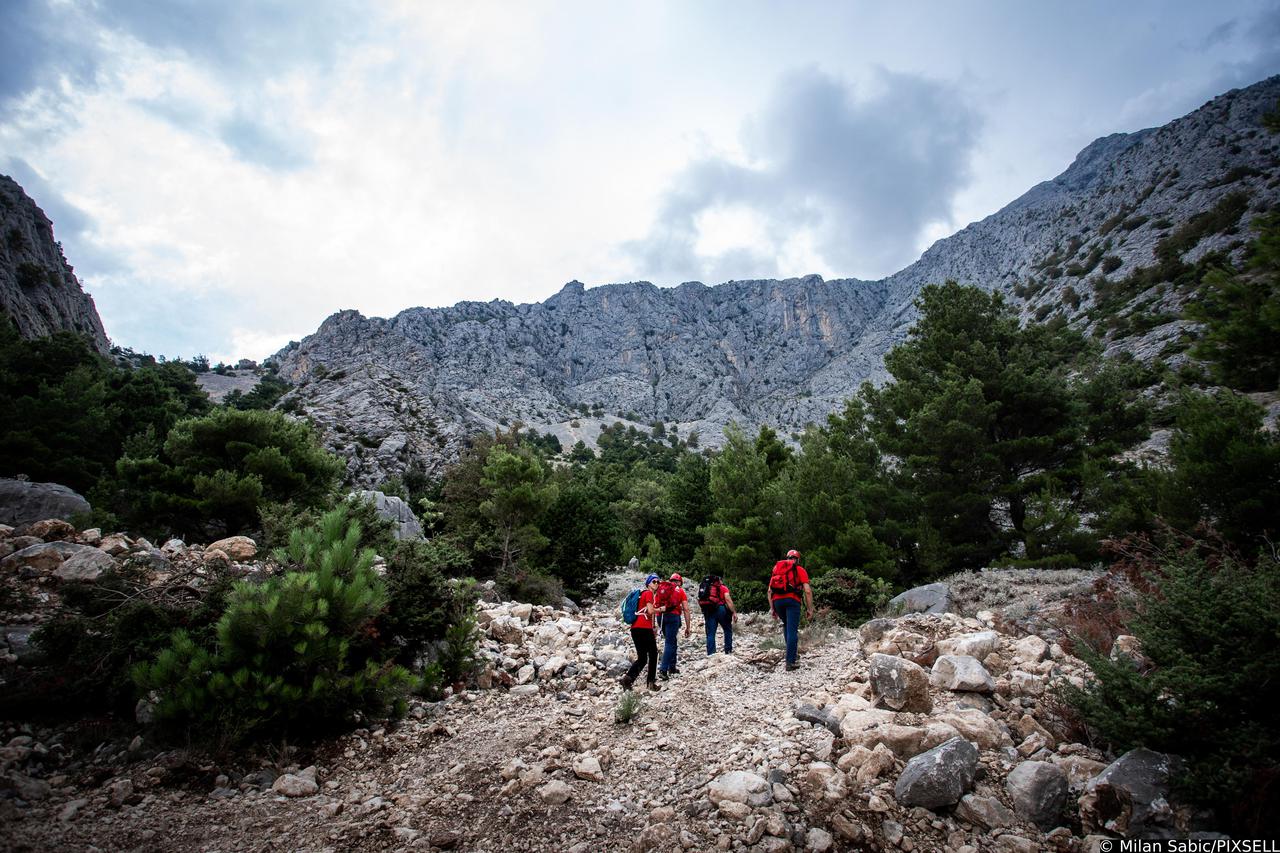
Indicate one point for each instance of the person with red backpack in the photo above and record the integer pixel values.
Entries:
(717, 611)
(672, 603)
(642, 634)
(788, 581)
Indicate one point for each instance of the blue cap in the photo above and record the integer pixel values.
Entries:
(651, 579)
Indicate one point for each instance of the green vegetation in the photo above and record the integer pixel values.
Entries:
(292, 655)
(213, 473)
(1207, 691)
(66, 412)
(1241, 312)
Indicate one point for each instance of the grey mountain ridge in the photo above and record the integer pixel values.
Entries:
(388, 393)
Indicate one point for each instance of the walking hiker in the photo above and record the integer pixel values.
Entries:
(789, 579)
(639, 611)
(717, 612)
(673, 604)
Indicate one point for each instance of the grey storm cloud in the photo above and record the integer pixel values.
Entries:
(1258, 45)
(242, 40)
(864, 175)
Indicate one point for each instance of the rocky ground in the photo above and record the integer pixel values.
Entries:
(924, 732)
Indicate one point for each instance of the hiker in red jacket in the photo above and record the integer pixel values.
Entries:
(788, 581)
(673, 605)
(642, 635)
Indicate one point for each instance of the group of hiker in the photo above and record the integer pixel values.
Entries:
(664, 605)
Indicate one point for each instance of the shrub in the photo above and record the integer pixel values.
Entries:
(749, 595)
(292, 655)
(421, 602)
(850, 593)
(213, 473)
(629, 704)
(1208, 629)
(457, 657)
(532, 587)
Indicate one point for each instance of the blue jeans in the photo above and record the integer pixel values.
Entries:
(718, 617)
(670, 631)
(788, 610)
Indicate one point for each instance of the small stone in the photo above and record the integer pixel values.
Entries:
(818, 840)
(292, 785)
(71, 809)
(555, 793)
(120, 791)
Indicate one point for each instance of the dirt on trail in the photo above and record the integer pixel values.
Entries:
(540, 762)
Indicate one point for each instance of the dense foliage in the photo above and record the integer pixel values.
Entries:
(213, 473)
(293, 654)
(1208, 682)
(1240, 309)
(66, 412)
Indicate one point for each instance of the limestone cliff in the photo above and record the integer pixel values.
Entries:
(390, 392)
(38, 288)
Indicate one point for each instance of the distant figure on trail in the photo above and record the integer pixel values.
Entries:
(673, 604)
(789, 579)
(717, 612)
(639, 611)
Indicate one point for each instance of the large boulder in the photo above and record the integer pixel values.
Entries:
(43, 558)
(961, 673)
(977, 645)
(1131, 797)
(987, 812)
(22, 502)
(740, 786)
(87, 565)
(900, 684)
(404, 524)
(930, 598)
(238, 548)
(939, 777)
(1039, 791)
(975, 725)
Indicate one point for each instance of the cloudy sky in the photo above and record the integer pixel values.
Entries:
(225, 174)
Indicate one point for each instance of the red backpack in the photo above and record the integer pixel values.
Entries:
(665, 597)
(785, 580)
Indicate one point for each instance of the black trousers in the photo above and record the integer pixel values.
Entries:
(646, 652)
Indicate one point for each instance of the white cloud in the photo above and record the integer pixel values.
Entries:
(226, 175)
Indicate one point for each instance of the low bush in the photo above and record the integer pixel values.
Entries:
(422, 603)
(294, 655)
(532, 587)
(851, 594)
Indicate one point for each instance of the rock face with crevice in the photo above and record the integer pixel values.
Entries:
(38, 289)
(390, 393)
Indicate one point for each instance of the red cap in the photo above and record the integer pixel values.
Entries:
(677, 578)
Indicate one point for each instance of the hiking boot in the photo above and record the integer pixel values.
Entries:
(653, 687)
(626, 681)
(792, 666)
(665, 676)
(675, 671)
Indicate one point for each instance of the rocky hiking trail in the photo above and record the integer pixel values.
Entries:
(733, 753)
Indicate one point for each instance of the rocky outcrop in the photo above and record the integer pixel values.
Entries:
(22, 502)
(38, 289)
(392, 393)
(392, 508)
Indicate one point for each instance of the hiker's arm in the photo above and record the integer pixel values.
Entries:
(808, 599)
(688, 619)
(728, 602)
